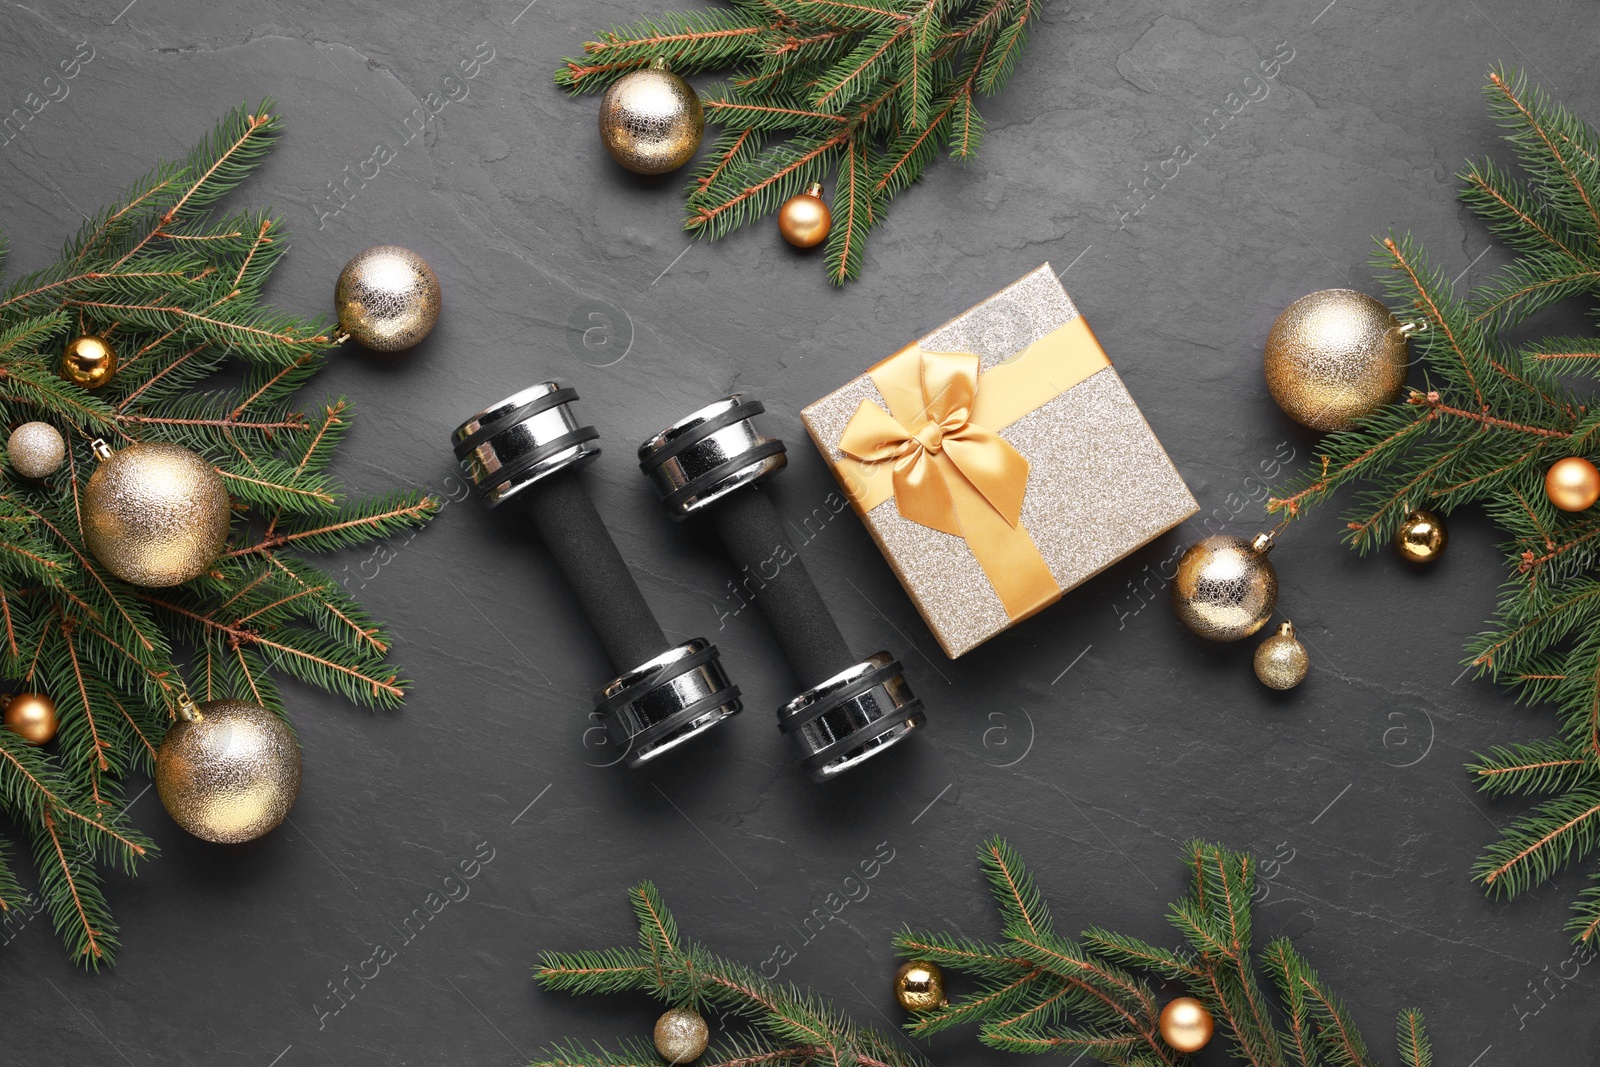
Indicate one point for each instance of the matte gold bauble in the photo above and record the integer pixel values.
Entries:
(1186, 1025)
(651, 120)
(1281, 659)
(681, 1035)
(229, 771)
(36, 449)
(1421, 537)
(1572, 484)
(387, 298)
(1334, 357)
(88, 361)
(919, 986)
(1226, 588)
(804, 220)
(155, 514)
(32, 717)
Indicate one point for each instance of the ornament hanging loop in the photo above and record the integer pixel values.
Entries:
(1262, 542)
(1412, 326)
(101, 450)
(188, 710)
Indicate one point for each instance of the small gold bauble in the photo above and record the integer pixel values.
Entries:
(1572, 484)
(1421, 537)
(229, 774)
(1334, 357)
(681, 1035)
(32, 717)
(88, 361)
(1281, 660)
(651, 120)
(155, 514)
(1226, 588)
(804, 220)
(1186, 1025)
(919, 986)
(387, 298)
(36, 449)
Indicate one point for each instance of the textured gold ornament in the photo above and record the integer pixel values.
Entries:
(155, 514)
(387, 298)
(919, 986)
(1572, 484)
(32, 717)
(1334, 357)
(1226, 588)
(88, 361)
(1186, 1025)
(229, 773)
(1281, 659)
(1421, 537)
(804, 219)
(36, 449)
(681, 1035)
(651, 120)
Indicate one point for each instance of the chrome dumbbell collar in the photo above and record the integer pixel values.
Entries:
(529, 435)
(706, 455)
(851, 717)
(664, 702)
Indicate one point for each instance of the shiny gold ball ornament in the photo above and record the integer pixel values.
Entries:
(1421, 537)
(1186, 1025)
(1572, 484)
(228, 771)
(919, 986)
(88, 361)
(387, 298)
(651, 120)
(1281, 659)
(804, 219)
(154, 514)
(36, 449)
(1334, 357)
(1226, 588)
(32, 717)
(681, 1035)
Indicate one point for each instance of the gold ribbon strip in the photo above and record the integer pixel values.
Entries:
(938, 453)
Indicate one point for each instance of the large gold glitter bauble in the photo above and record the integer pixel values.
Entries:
(681, 1035)
(804, 220)
(1421, 537)
(32, 717)
(1572, 484)
(155, 514)
(1186, 1025)
(1281, 660)
(88, 361)
(919, 986)
(1226, 588)
(387, 298)
(36, 449)
(651, 120)
(230, 773)
(1335, 357)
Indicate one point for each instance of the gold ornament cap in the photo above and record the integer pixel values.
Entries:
(88, 361)
(1334, 357)
(919, 986)
(651, 120)
(155, 514)
(228, 771)
(387, 298)
(1280, 660)
(681, 1035)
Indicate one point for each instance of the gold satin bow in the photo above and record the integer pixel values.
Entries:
(941, 447)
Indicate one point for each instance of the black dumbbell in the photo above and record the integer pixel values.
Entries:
(850, 710)
(527, 449)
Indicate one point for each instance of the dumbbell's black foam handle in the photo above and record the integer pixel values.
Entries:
(788, 599)
(582, 546)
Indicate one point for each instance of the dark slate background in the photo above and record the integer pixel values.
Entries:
(1097, 737)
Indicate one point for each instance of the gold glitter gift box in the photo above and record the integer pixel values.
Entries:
(999, 462)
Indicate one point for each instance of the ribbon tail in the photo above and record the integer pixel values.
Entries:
(996, 469)
(922, 492)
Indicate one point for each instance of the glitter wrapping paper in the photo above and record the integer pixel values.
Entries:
(1100, 485)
